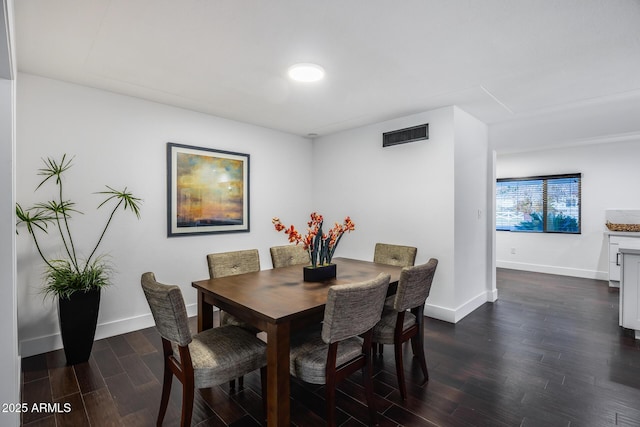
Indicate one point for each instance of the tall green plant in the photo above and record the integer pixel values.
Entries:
(72, 273)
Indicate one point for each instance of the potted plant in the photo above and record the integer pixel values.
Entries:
(75, 281)
(321, 246)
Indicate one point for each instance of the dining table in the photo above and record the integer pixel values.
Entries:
(279, 302)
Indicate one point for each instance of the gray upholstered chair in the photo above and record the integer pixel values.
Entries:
(224, 264)
(402, 256)
(398, 255)
(203, 360)
(284, 256)
(404, 320)
(329, 355)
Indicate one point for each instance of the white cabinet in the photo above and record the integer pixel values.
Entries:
(617, 241)
(614, 262)
(630, 290)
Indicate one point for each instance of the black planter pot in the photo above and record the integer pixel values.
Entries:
(320, 273)
(78, 317)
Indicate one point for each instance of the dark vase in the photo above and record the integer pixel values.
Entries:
(78, 317)
(319, 273)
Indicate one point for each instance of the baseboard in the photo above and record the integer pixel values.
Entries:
(454, 315)
(552, 269)
(46, 343)
(492, 295)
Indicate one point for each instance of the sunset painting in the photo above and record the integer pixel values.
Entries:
(209, 190)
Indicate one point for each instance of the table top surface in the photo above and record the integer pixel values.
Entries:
(281, 294)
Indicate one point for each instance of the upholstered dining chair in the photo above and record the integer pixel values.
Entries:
(203, 360)
(404, 320)
(402, 256)
(329, 355)
(284, 256)
(224, 264)
(398, 255)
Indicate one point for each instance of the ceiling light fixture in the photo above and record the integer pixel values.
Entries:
(306, 72)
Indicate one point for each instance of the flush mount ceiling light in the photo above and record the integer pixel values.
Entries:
(306, 72)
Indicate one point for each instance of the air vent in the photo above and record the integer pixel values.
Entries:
(403, 136)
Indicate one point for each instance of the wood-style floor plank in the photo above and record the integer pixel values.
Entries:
(548, 352)
(101, 409)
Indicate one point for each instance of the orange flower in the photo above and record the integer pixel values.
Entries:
(321, 251)
(348, 224)
(277, 224)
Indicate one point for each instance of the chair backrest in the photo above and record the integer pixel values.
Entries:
(284, 256)
(402, 256)
(168, 309)
(353, 308)
(414, 285)
(231, 263)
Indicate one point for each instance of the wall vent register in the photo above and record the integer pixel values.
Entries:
(404, 136)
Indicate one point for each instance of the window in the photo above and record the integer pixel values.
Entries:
(542, 204)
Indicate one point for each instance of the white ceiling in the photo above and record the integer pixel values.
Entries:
(507, 62)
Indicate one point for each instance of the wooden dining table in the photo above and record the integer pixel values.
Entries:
(279, 302)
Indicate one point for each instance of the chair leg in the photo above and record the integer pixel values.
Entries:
(367, 377)
(417, 341)
(187, 405)
(414, 346)
(185, 375)
(400, 370)
(330, 384)
(418, 351)
(232, 385)
(331, 404)
(166, 390)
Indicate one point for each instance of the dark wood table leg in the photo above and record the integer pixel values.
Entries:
(278, 389)
(205, 313)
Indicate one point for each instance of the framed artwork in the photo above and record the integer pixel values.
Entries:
(207, 191)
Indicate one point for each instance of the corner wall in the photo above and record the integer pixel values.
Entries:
(472, 211)
(411, 194)
(121, 141)
(610, 175)
(9, 351)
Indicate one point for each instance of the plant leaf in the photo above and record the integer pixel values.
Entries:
(58, 208)
(32, 218)
(53, 169)
(130, 202)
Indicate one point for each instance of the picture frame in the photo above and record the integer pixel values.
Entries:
(207, 191)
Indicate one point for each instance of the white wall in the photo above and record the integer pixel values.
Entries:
(9, 354)
(10, 373)
(610, 175)
(472, 231)
(425, 194)
(121, 141)
(410, 194)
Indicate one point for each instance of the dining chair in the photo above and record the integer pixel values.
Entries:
(404, 320)
(399, 255)
(284, 256)
(224, 264)
(202, 360)
(329, 355)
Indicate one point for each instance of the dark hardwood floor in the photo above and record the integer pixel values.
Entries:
(549, 352)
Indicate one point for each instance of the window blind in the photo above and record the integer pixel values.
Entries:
(549, 204)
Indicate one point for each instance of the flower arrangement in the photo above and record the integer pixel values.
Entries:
(321, 246)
